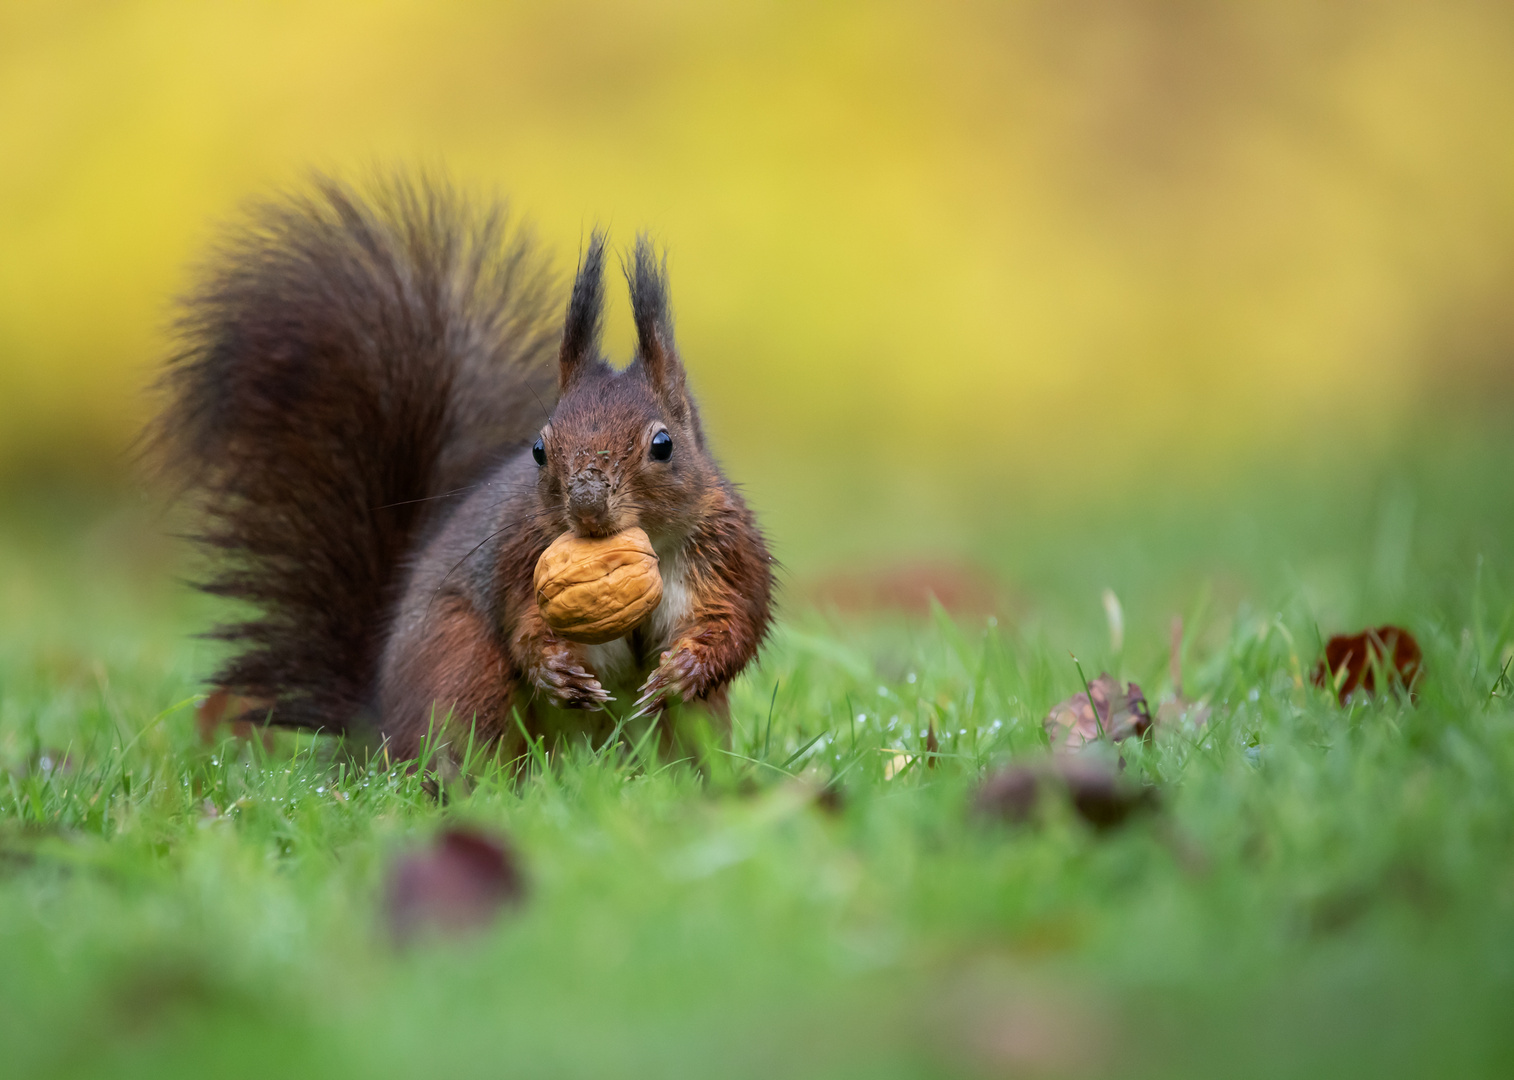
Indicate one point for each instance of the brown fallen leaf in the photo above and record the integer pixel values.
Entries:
(1071, 724)
(1353, 661)
(460, 883)
(1096, 790)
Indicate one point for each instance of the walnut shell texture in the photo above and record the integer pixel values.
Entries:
(594, 590)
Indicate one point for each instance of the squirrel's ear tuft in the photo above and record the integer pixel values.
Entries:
(586, 311)
(648, 278)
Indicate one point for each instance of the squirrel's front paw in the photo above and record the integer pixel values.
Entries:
(571, 684)
(680, 676)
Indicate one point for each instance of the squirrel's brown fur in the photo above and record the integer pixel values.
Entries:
(356, 402)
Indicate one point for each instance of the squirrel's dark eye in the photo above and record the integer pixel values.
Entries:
(539, 451)
(662, 446)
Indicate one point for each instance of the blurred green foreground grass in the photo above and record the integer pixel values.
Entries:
(1325, 891)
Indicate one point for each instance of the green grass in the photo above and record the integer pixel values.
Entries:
(1325, 891)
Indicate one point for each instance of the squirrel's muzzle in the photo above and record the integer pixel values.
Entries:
(589, 502)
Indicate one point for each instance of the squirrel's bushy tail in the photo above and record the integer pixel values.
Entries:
(348, 361)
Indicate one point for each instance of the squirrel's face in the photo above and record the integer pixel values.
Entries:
(625, 447)
(612, 457)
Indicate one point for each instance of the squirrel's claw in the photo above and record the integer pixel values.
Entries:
(654, 694)
(652, 699)
(680, 676)
(571, 684)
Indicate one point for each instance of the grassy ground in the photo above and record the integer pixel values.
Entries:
(1325, 891)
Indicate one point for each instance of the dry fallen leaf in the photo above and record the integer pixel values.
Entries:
(1352, 661)
(1071, 724)
(1097, 791)
(460, 883)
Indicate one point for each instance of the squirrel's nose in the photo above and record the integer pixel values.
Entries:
(589, 500)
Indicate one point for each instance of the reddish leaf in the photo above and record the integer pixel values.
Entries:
(1097, 791)
(1071, 724)
(1356, 659)
(461, 883)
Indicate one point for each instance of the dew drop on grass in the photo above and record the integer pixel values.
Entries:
(1255, 694)
(910, 678)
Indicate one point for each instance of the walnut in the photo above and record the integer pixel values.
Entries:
(594, 590)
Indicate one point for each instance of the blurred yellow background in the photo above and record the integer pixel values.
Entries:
(924, 240)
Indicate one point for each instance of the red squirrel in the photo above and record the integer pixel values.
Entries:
(365, 408)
